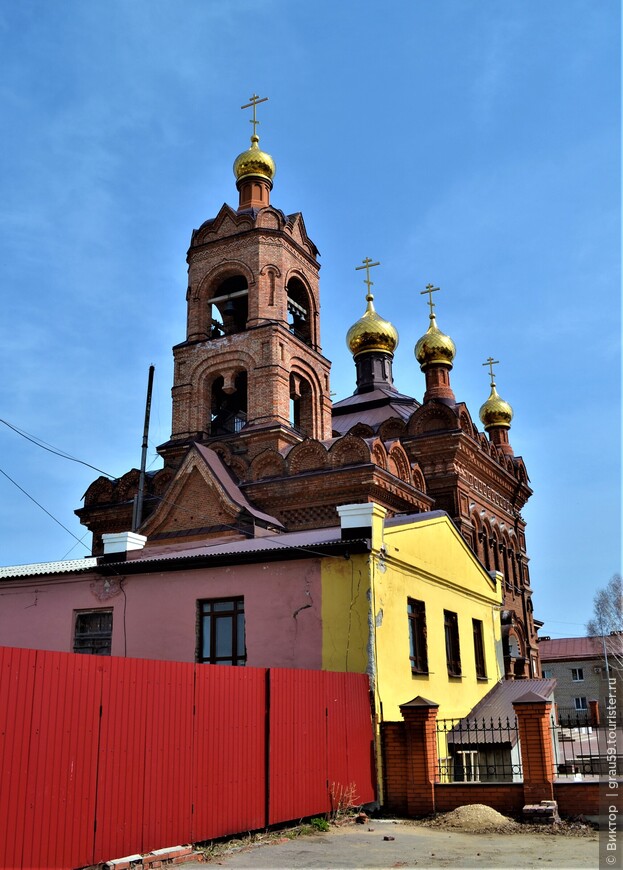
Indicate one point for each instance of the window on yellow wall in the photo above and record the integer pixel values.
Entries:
(479, 649)
(417, 636)
(453, 651)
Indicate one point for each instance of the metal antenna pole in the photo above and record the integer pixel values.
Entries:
(138, 503)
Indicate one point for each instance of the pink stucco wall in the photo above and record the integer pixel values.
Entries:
(156, 618)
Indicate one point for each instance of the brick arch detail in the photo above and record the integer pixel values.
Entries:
(399, 464)
(361, 430)
(309, 455)
(99, 492)
(394, 427)
(431, 417)
(268, 463)
(378, 454)
(349, 450)
(417, 475)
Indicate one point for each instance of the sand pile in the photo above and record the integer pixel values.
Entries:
(476, 818)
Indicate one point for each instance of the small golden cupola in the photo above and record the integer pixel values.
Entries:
(435, 352)
(496, 414)
(254, 169)
(372, 341)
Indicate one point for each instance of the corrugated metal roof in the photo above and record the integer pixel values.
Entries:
(573, 648)
(487, 722)
(266, 543)
(68, 566)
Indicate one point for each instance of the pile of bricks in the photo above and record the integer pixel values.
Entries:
(545, 813)
(156, 859)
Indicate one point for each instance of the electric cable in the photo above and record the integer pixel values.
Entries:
(21, 489)
(44, 446)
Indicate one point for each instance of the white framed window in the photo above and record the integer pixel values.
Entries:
(547, 673)
(580, 703)
(577, 675)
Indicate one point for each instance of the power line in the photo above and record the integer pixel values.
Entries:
(44, 446)
(21, 489)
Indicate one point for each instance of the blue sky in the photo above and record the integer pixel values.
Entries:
(473, 144)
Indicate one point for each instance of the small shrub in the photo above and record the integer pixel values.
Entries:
(319, 824)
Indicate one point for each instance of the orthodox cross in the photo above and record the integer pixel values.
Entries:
(367, 265)
(430, 290)
(491, 362)
(254, 102)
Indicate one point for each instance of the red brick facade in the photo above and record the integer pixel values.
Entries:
(251, 383)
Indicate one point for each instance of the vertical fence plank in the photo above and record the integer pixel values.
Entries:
(61, 773)
(298, 745)
(229, 768)
(167, 794)
(121, 760)
(17, 676)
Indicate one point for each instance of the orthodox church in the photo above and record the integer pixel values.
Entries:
(258, 448)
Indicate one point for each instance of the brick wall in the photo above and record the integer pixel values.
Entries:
(506, 798)
(577, 798)
(394, 749)
(410, 761)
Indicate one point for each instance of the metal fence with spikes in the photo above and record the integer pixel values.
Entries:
(478, 750)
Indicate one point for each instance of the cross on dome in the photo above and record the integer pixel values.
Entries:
(491, 362)
(430, 290)
(367, 265)
(254, 101)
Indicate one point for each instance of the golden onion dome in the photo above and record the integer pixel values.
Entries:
(495, 411)
(371, 333)
(435, 347)
(253, 161)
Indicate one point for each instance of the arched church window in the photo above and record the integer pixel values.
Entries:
(513, 647)
(301, 405)
(229, 307)
(299, 314)
(484, 540)
(228, 406)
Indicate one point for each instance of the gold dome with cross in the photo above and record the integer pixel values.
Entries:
(434, 347)
(371, 332)
(254, 161)
(495, 412)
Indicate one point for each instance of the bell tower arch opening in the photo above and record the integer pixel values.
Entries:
(228, 404)
(228, 306)
(300, 315)
(301, 405)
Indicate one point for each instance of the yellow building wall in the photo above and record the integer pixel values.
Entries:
(366, 627)
(345, 614)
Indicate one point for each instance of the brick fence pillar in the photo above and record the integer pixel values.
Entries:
(533, 713)
(420, 718)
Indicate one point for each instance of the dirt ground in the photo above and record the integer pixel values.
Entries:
(470, 839)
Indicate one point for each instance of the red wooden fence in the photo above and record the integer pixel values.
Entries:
(105, 757)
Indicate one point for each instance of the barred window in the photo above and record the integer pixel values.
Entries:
(221, 632)
(93, 632)
(417, 636)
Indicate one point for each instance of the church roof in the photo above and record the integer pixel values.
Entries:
(372, 409)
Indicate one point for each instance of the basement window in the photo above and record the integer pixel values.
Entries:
(93, 632)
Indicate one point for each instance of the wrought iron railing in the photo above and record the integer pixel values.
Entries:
(583, 751)
(478, 750)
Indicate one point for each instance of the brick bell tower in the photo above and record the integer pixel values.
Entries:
(251, 367)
